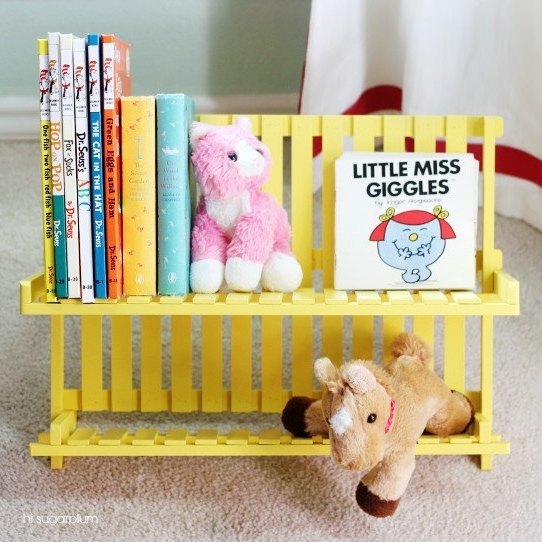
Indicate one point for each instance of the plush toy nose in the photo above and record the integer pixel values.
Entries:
(413, 236)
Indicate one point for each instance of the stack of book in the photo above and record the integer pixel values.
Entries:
(115, 175)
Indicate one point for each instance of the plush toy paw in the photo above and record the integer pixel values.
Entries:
(206, 276)
(281, 273)
(243, 275)
(374, 505)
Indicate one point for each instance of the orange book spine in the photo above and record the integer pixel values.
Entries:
(116, 82)
(139, 194)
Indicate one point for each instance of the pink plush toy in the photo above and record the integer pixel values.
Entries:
(240, 234)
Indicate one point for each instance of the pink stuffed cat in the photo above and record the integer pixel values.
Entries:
(240, 234)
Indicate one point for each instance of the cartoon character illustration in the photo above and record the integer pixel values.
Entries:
(412, 240)
(44, 84)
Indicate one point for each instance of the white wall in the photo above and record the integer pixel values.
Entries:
(236, 54)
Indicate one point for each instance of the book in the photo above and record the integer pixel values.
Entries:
(84, 206)
(70, 176)
(116, 82)
(57, 166)
(139, 194)
(96, 164)
(174, 114)
(46, 180)
(405, 221)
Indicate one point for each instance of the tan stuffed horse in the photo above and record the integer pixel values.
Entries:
(375, 415)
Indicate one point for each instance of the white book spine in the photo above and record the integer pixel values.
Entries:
(83, 169)
(70, 177)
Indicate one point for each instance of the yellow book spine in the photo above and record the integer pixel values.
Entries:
(46, 178)
(139, 194)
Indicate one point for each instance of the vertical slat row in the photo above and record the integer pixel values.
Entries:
(92, 395)
(121, 364)
(182, 395)
(273, 129)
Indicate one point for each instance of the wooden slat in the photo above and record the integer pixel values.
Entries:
(175, 437)
(121, 364)
(366, 129)
(181, 364)
(151, 364)
(425, 133)
(392, 326)
(241, 364)
(211, 364)
(81, 436)
(113, 437)
(57, 365)
(273, 128)
(424, 327)
(302, 356)
(302, 197)
(272, 400)
(362, 337)
(454, 352)
(145, 437)
(332, 338)
(91, 363)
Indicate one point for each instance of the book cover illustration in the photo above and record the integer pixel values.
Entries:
(139, 194)
(57, 166)
(46, 180)
(405, 221)
(116, 82)
(84, 206)
(70, 176)
(96, 165)
(174, 113)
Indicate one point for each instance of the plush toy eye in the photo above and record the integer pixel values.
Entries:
(371, 418)
(260, 151)
(232, 156)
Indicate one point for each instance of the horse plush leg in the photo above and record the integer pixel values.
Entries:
(380, 490)
(453, 417)
(303, 417)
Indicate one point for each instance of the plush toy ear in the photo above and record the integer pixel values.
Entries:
(197, 131)
(244, 123)
(358, 377)
(325, 371)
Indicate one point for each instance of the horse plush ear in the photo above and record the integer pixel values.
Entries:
(358, 377)
(326, 372)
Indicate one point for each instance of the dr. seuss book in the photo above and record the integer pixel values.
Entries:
(96, 165)
(70, 176)
(57, 166)
(46, 180)
(116, 82)
(174, 113)
(139, 194)
(83, 168)
(405, 221)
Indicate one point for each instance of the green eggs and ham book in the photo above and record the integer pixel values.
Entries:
(405, 221)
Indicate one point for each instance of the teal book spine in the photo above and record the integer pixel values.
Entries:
(174, 113)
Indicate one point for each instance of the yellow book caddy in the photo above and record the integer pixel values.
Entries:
(238, 353)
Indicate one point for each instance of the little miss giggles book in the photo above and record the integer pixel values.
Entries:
(405, 221)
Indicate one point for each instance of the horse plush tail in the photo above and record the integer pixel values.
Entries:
(407, 344)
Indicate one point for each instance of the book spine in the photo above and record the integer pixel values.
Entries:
(115, 58)
(46, 181)
(70, 177)
(139, 194)
(83, 168)
(173, 114)
(98, 217)
(57, 167)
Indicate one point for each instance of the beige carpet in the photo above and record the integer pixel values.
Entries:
(246, 499)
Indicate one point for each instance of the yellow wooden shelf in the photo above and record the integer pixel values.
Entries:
(221, 359)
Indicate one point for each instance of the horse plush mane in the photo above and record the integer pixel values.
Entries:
(374, 416)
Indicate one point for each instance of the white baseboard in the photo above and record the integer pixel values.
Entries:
(19, 115)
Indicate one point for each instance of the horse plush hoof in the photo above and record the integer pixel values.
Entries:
(374, 505)
(293, 415)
